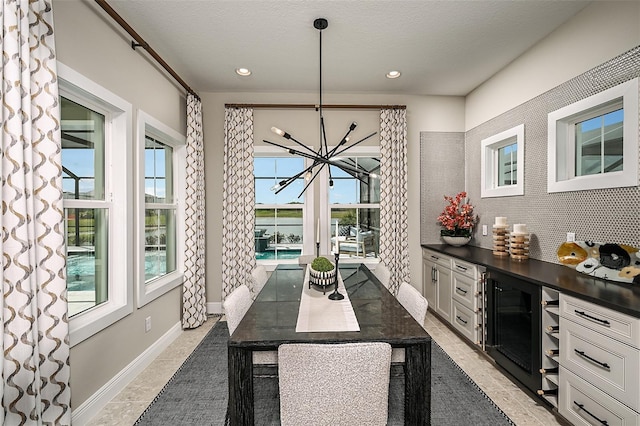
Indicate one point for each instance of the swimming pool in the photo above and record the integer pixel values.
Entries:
(282, 254)
(81, 269)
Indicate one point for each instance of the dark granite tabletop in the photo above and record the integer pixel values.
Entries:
(272, 318)
(618, 296)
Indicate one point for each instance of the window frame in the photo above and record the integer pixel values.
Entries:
(489, 156)
(561, 141)
(326, 227)
(308, 245)
(148, 125)
(118, 196)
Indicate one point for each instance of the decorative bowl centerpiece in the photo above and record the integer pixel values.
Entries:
(322, 272)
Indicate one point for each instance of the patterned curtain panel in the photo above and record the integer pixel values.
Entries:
(194, 303)
(238, 198)
(35, 334)
(394, 237)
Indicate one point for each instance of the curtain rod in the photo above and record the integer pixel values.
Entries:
(310, 106)
(139, 42)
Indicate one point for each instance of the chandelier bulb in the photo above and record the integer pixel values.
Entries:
(275, 187)
(353, 126)
(277, 131)
(307, 176)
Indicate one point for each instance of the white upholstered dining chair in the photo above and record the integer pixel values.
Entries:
(334, 384)
(235, 306)
(415, 303)
(383, 274)
(260, 277)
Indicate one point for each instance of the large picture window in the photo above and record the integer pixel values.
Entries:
(354, 206)
(97, 181)
(161, 165)
(279, 217)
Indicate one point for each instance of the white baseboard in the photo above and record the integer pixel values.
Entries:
(214, 307)
(96, 402)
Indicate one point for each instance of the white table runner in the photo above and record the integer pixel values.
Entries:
(318, 313)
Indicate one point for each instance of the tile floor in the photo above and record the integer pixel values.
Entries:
(127, 406)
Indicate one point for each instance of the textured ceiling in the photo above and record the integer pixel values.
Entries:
(441, 47)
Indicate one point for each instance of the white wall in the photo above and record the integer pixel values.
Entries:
(434, 113)
(89, 45)
(595, 35)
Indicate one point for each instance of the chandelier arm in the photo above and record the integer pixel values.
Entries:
(315, 175)
(358, 166)
(333, 153)
(284, 183)
(321, 159)
(292, 150)
(343, 140)
(288, 136)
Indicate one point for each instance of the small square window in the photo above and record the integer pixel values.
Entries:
(593, 143)
(502, 164)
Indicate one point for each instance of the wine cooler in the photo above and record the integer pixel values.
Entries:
(513, 327)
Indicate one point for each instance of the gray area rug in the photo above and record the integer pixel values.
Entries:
(197, 393)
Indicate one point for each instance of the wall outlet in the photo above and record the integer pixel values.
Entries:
(484, 230)
(571, 237)
(147, 324)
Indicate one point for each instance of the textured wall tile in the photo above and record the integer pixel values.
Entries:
(605, 215)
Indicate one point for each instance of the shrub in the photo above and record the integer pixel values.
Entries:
(322, 264)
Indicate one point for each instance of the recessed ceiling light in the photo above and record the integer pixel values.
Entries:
(393, 74)
(243, 72)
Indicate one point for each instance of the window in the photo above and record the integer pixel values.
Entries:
(279, 216)
(95, 127)
(354, 204)
(593, 143)
(502, 164)
(161, 165)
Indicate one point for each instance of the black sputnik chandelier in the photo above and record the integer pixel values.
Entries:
(322, 156)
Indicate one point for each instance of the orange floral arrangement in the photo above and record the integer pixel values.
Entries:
(457, 218)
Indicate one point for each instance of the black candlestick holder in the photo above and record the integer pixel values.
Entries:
(318, 249)
(336, 294)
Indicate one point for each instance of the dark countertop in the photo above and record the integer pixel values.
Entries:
(620, 297)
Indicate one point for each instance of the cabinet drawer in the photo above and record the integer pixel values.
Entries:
(464, 290)
(606, 363)
(468, 269)
(609, 322)
(437, 258)
(464, 321)
(582, 404)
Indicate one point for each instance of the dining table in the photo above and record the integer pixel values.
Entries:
(272, 318)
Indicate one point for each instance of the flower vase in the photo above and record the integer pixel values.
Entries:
(456, 241)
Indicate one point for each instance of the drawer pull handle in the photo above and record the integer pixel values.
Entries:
(462, 268)
(601, 364)
(461, 320)
(434, 257)
(581, 406)
(584, 314)
(461, 290)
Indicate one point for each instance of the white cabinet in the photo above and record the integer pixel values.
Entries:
(599, 364)
(437, 281)
(451, 287)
